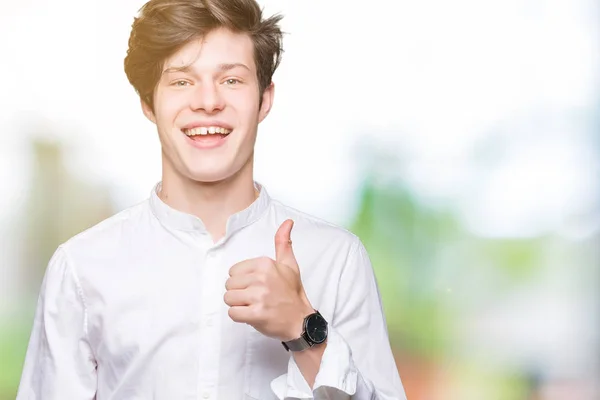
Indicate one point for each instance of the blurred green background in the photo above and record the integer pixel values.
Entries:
(460, 142)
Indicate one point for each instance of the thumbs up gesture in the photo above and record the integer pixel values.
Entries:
(268, 294)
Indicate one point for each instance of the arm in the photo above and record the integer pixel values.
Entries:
(357, 361)
(59, 363)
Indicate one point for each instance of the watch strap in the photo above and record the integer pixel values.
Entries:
(299, 344)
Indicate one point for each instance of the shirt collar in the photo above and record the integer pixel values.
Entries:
(178, 220)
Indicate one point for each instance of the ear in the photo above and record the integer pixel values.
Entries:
(267, 102)
(148, 111)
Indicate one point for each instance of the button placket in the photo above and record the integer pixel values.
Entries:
(210, 343)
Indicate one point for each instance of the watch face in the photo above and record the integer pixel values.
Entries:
(316, 328)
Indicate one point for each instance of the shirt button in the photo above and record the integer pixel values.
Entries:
(209, 322)
(206, 395)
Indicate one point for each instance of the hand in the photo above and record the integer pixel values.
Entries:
(268, 294)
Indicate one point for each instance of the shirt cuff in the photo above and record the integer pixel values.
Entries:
(336, 371)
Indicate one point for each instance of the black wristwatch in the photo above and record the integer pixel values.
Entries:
(314, 332)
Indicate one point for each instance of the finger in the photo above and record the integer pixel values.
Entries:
(238, 282)
(243, 267)
(242, 314)
(283, 244)
(235, 298)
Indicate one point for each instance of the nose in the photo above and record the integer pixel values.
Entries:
(207, 98)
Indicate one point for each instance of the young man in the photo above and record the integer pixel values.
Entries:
(210, 288)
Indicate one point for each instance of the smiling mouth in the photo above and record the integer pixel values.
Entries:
(206, 130)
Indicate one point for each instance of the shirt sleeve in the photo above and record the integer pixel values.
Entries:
(358, 362)
(59, 363)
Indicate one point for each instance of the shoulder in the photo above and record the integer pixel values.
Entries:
(315, 229)
(109, 234)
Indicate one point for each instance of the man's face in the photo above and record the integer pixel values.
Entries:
(207, 114)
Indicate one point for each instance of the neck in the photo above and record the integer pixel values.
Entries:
(212, 202)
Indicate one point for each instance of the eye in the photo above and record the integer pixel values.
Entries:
(180, 83)
(232, 81)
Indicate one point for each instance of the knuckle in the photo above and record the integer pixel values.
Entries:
(258, 313)
(261, 278)
(264, 294)
(265, 262)
(258, 295)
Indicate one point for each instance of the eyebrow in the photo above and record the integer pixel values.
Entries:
(221, 67)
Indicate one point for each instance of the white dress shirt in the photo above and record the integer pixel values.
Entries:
(133, 309)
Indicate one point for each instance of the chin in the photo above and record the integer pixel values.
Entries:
(208, 175)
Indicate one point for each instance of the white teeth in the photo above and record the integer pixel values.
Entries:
(210, 130)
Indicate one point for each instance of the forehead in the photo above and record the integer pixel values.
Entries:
(220, 46)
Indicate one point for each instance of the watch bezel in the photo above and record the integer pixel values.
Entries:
(315, 317)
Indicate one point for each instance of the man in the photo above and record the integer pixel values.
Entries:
(210, 288)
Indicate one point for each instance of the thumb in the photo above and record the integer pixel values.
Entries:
(283, 246)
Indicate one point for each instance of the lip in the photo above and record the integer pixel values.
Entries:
(206, 124)
(214, 143)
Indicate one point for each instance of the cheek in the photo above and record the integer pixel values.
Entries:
(168, 106)
(244, 100)
(248, 111)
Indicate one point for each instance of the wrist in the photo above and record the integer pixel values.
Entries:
(296, 328)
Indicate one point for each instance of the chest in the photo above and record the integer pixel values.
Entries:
(159, 307)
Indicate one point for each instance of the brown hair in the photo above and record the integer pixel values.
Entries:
(164, 26)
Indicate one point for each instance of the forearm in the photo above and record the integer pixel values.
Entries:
(309, 362)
